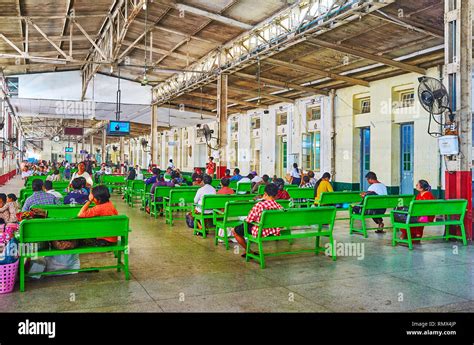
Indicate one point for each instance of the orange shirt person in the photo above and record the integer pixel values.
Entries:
(103, 207)
(211, 167)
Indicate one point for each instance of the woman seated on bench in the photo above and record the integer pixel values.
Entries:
(424, 193)
(103, 207)
(323, 185)
(268, 203)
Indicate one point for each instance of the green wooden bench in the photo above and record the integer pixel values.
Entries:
(312, 218)
(302, 196)
(135, 192)
(230, 217)
(127, 190)
(373, 202)
(233, 215)
(339, 198)
(233, 184)
(211, 202)
(454, 211)
(51, 229)
(244, 187)
(114, 182)
(157, 202)
(146, 196)
(179, 199)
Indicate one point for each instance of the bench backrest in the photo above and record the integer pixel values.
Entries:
(182, 196)
(438, 207)
(301, 193)
(331, 198)
(113, 179)
(287, 187)
(212, 201)
(162, 191)
(293, 217)
(51, 229)
(138, 185)
(387, 201)
(235, 209)
(61, 211)
(244, 186)
(216, 183)
(233, 185)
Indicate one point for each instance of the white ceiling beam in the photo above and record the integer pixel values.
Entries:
(213, 16)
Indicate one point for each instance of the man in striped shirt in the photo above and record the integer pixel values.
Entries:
(39, 196)
(254, 215)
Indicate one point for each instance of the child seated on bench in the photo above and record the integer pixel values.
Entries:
(268, 203)
(103, 207)
(8, 208)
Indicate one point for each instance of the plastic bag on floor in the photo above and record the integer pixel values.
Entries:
(230, 235)
(63, 262)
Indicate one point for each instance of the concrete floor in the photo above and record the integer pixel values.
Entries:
(172, 270)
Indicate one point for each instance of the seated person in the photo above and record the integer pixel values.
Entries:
(8, 208)
(132, 174)
(306, 183)
(39, 197)
(227, 174)
(237, 175)
(103, 207)
(225, 187)
(255, 178)
(268, 203)
(78, 195)
(322, 185)
(156, 173)
(207, 189)
(281, 194)
(48, 188)
(265, 180)
(196, 174)
(375, 188)
(54, 177)
(247, 178)
(198, 182)
(168, 175)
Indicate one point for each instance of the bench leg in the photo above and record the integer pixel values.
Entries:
(394, 236)
(463, 234)
(118, 255)
(226, 238)
(262, 257)
(22, 274)
(247, 251)
(333, 249)
(125, 261)
(317, 243)
(351, 224)
(364, 228)
(410, 242)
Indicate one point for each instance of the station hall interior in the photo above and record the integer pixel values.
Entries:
(375, 94)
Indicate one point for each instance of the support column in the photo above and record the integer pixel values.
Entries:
(91, 151)
(458, 78)
(222, 83)
(122, 150)
(154, 135)
(104, 142)
(77, 148)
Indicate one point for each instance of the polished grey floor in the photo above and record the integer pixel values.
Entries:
(172, 270)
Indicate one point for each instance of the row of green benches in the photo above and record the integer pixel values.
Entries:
(317, 221)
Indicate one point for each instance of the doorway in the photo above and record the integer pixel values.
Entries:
(406, 158)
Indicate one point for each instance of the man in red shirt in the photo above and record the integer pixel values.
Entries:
(103, 207)
(211, 167)
(225, 187)
(254, 215)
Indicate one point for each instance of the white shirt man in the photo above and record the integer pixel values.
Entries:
(256, 179)
(378, 188)
(204, 190)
